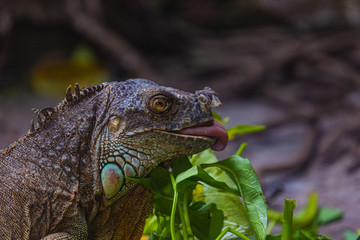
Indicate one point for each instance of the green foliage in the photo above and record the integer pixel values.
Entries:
(243, 175)
(187, 218)
(232, 206)
(203, 198)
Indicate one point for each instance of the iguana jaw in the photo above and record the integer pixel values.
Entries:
(209, 131)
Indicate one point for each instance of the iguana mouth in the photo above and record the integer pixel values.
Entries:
(210, 129)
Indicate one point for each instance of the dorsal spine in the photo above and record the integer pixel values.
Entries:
(44, 115)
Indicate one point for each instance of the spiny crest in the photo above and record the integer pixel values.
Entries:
(45, 114)
(79, 94)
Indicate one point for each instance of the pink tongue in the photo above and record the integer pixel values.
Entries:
(216, 130)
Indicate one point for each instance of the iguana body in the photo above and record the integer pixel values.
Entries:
(65, 179)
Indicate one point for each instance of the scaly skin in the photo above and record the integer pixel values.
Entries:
(65, 179)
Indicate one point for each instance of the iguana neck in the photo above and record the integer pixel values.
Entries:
(61, 150)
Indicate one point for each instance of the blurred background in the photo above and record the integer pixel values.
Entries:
(292, 65)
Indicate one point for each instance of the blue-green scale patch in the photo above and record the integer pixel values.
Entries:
(112, 179)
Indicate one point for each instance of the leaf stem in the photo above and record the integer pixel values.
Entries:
(228, 229)
(289, 206)
(185, 211)
(270, 227)
(241, 149)
(173, 209)
(182, 218)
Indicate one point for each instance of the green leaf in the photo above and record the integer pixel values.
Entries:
(306, 217)
(158, 182)
(206, 156)
(243, 175)
(242, 129)
(196, 174)
(206, 220)
(327, 215)
(232, 206)
(180, 165)
(150, 224)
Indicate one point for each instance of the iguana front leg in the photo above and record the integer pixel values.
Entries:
(74, 229)
(61, 236)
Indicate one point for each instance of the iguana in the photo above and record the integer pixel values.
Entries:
(66, 178)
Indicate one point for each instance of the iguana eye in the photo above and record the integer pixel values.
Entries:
(159, 104)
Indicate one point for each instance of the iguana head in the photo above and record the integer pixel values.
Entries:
(146, 124)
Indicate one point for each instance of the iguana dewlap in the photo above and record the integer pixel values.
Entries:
(66, 178)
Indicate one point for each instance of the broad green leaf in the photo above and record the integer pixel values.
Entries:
(196, 174)
(217, 221)
(206, 156)
(234, 211)
(180, 165)
(158, 182)
(243, 175)
(242, 129)
(206, 220)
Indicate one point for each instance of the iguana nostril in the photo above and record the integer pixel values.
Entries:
(215, 101)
